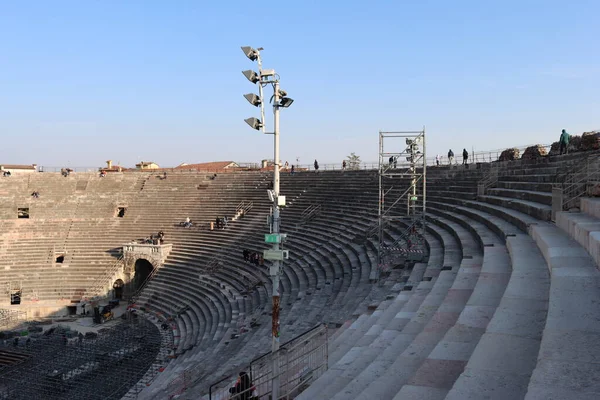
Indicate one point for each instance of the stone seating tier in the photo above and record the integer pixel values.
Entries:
(413, 316)
(453, 335)
(329, 275)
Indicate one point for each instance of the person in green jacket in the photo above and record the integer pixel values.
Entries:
(564, 141)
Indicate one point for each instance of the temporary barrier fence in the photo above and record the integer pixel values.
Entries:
(301, 361)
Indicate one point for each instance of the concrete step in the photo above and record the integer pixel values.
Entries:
(528, 195)
(360, 353)
(591, 206)
(583, 228)
(424, 330)
(533, 186)
(420, 307)
(567, 366)
(503, 361)
(447, 360)
(537, 210)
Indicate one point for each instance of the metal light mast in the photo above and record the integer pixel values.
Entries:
(264, 78)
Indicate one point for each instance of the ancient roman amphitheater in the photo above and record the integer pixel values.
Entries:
(505, 305)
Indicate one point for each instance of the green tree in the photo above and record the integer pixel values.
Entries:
(353, 161)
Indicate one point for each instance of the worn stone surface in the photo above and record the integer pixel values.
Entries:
(509, 155)
(476, 384)
(410, 392)
(534, 152)
(438, 373)
(590, 141)
(574, 143)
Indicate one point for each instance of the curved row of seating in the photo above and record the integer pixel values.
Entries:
(533, 286)
(325, 279)
(351, 375)
(62, 248)
(482, 317)
(210, 306)
(518, 355)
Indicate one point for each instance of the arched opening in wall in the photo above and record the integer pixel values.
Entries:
(143, 269)
(15, 297)
(118, 287)
(60, 258)
(15, 288)
(121, 211)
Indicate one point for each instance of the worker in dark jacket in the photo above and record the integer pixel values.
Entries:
(243, 387)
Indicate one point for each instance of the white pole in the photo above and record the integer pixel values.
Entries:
(276, 268)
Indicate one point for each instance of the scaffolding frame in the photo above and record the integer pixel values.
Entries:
(10, 318)
(61, 365)
(302, 361)
(402, 174)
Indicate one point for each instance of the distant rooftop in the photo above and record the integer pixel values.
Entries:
(16, 166)
(209, 166)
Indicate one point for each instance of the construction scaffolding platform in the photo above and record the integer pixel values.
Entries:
(402, 200)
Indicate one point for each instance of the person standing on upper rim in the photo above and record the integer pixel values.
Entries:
(564, 141)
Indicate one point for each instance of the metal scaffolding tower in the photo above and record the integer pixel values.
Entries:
(402, 199)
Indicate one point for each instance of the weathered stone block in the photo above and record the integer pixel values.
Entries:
(590, 141)
(509, 155)
(534, 152)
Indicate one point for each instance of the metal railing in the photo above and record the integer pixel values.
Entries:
(333, 167)
(301, 361)
(243, 208)
(498, 169)
(309, 213)
(486, 156)
(489, 180)
(575, 184)
(474, 156)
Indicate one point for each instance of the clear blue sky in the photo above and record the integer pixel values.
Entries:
(86, 81)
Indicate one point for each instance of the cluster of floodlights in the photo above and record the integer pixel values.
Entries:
(264, 77)
(413, 148)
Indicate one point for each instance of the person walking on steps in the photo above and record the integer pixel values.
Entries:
(564, 142)
(316, 164)
(243, 387)
(343, 165)
(437, 160)
(450, 156)
(465, 157)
